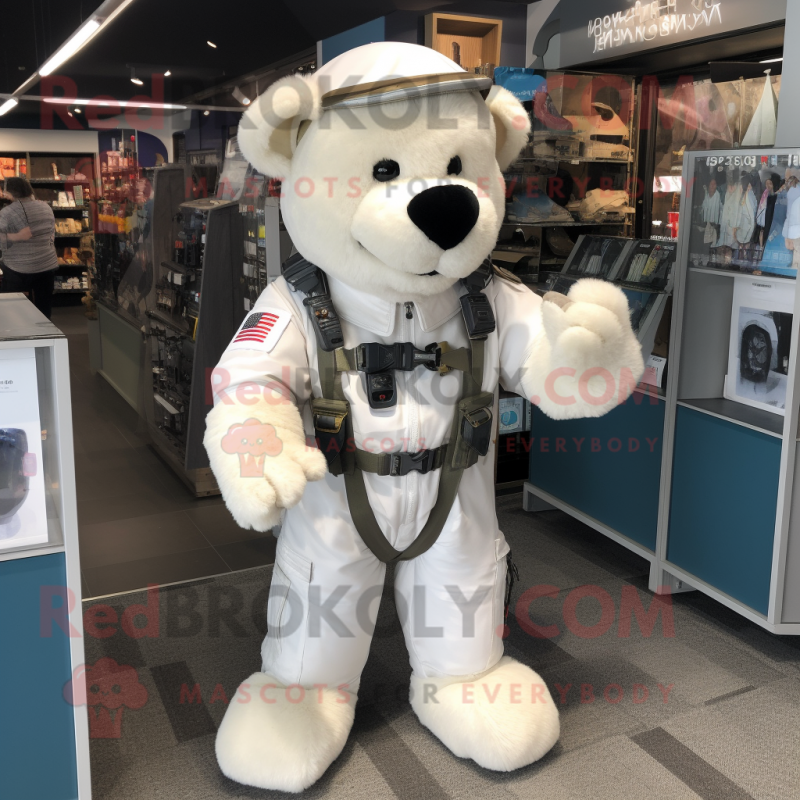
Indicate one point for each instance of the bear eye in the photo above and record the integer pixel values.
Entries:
(386, 170)
(454, 167)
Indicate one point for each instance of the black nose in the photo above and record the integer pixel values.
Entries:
(445, 214)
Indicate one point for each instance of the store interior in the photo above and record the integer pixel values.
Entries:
(660, 542)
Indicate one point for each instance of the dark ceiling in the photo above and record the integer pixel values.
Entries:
(155, 35)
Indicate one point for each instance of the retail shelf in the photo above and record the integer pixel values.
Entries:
(731, 274)
(56, 180)
(72, 235)
(639, 287)
(175, 267)
(651, 391)
(164, 319)
(573, 224)
(563, 160)
(70, 208)
(70, 291)
(72, 266)
(739, 414)
(27, 552)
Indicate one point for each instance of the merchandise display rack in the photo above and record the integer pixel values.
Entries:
(749, 560)
(591, 479)
(714, 506)
(526, 246)
(46, 661)
(194, 307)
(76, 265)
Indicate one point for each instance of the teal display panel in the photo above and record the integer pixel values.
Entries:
(723, 506)
(37, 737)
(608, 468)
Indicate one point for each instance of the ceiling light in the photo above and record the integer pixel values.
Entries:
(771, 61)
(168, 73)
(103, 15)
(8, 105)
(105, 103)
(211, 44)
(70, 47)
(239, 95)
(206, 113)
(134, 79)
(77, 110)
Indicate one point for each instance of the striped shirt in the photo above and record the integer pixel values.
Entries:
(38, 254)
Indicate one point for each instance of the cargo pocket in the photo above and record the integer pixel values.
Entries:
(475, 429)
(287, 614)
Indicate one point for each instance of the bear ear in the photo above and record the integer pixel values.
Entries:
(270, 129)
(512, 123)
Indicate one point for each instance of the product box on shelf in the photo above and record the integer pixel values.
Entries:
(514, 413)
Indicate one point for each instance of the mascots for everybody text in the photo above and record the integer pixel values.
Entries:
(386, 340)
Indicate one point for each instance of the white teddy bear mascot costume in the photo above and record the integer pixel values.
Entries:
(386, 340)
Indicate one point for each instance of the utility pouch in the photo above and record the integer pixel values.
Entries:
(475, 429)
(330, 430)
(478, 315)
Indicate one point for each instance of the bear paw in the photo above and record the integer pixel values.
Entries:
(274, 737)
(503, 719)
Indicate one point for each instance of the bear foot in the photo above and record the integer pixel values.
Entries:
(503, 719)
(282, 738)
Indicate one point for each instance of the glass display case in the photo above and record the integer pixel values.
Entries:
(733, 408)
(642, 268)
(40, 578)
(703, 115)
(122, 222)
(578, 171)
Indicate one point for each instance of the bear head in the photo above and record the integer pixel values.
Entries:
(390, 158)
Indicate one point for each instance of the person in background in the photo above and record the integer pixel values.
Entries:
(27, 231)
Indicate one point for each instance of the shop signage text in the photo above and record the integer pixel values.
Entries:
(648, 21)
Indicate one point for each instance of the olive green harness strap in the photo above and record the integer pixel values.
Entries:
(346, 359)
(453, 462)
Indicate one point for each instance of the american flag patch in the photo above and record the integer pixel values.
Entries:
(260, 330)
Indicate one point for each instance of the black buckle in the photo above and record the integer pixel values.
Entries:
(400, 464)
(373, 357)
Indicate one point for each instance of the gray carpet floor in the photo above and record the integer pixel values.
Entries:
(715, 714)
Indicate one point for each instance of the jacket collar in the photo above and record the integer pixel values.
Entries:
(379, 316)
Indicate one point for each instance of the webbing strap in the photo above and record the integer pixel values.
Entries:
(450, 478)
(346, 359)
(352, 463)
(385, 464)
